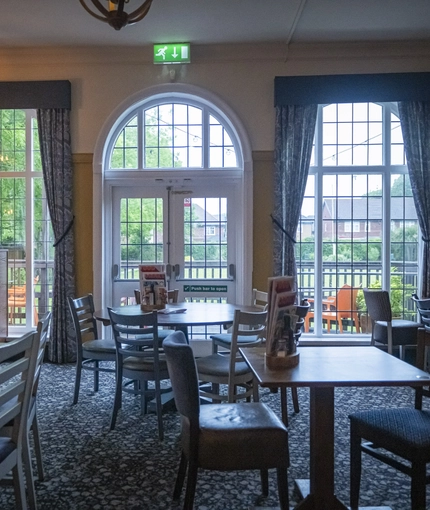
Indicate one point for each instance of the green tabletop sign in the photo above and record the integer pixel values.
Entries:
(173, 53)
(205, 288)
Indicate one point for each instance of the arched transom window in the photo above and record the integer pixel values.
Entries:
(173, 135)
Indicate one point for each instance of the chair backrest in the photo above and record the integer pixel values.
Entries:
(378, 304)
(245, 324)
(137, 331)
(172, 295)
(346, 299)
(18, 361)
(259, 299)
(42, 336)
(423, 308)
(183, 374)
(82, 310)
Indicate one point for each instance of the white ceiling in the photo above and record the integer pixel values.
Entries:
(65, 22)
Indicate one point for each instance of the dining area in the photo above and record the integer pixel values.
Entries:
(334, 385)
(322, 371)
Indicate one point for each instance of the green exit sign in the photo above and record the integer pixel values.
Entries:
(176, 53)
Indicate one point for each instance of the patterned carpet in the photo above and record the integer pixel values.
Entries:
(89, 467)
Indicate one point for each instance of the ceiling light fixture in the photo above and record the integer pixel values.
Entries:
(114, 13)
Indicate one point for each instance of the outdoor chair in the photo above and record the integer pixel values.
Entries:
(387, 331)
(222, 437)
(92, 353)
(338, 308)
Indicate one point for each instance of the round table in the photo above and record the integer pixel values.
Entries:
(194, 314)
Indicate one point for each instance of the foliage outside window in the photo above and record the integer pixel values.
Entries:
(25, 230)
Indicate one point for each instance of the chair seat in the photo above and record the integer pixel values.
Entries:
(100, 345)
(219, 365)
(7, 446)
(405, 432)
(224, 339)
(241, 436)
(143, 364)
(404, 332)
(162, 334)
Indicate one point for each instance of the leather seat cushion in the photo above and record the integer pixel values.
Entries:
(217, 364)
(143, 364)
(404, 332)
(162, 334)
(240, 436)
(100, 345)
(404, 431)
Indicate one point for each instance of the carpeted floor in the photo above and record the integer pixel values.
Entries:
(89, 467)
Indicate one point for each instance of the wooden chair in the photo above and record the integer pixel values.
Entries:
(18, 361)
(229, 367)
(139, 359)
(41, 338)
(223, 437)
(404, 432)
(172, 297)
(337, 308)
(91, 350)
(386, 330)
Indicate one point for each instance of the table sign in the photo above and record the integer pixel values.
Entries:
(281, 347)
(153, 287)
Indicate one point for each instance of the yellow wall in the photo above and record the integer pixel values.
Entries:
(104, 78)
(83, 225)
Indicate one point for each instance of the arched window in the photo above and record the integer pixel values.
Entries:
(172, 135)
(358, 225)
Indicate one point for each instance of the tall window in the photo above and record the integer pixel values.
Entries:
(25, 230)
(366, 230)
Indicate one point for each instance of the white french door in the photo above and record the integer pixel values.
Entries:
(191, 228)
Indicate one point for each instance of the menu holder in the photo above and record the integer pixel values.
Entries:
(153, 288)
(276, 362)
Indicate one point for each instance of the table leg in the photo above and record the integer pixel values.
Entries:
(321, 495)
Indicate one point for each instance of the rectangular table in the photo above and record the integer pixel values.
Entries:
(322, 369)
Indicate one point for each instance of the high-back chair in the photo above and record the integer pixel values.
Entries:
(172, 297)
(91, 351)
(18, 361)
(41, 338)
(404, 432)
(230, 368)
(139, 359)
(386, 330)
(222, 437)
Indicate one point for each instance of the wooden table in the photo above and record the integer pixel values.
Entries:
(322, 369)
(196, 314)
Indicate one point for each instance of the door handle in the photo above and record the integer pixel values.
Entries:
(177, 271)
(115, 271)
(232, 271)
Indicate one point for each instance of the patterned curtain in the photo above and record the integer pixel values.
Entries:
(295, 128)
(55, 149)
(415, 122)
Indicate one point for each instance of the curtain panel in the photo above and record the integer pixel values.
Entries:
(415, 123)
(55, 149)
(294, 133)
